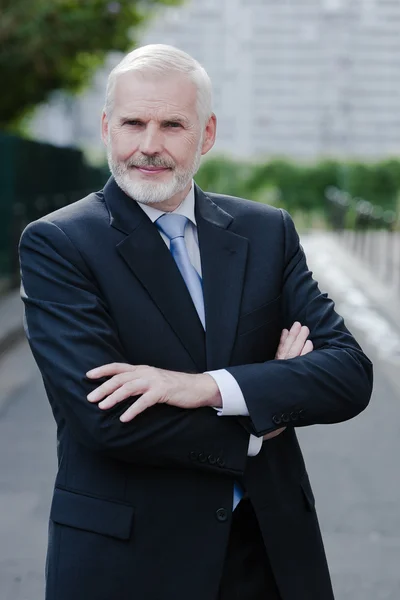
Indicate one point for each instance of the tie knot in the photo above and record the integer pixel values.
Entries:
(171, 225)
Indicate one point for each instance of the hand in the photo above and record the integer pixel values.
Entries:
(269, 436)
(292, 343)
(153, 386)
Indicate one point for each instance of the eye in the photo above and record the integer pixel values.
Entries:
(173, 124)
(133, 122)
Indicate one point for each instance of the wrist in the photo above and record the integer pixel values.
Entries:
(210, 394)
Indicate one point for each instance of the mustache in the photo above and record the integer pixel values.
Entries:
(150, 161)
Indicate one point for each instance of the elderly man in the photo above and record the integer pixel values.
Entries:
(157, 315)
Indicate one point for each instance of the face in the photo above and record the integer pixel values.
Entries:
(154, 138)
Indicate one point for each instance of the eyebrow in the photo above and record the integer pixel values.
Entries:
(176, 119)
(172, 118)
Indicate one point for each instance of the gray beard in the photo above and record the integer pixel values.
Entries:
(152, 192)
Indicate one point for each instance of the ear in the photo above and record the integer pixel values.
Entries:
(104, 128)
(209, 134)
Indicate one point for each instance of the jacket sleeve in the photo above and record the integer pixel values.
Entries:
(70, 331)
(331, 384)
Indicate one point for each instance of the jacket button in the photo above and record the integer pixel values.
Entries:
(277, 419)
(222, 514)
(202, 457)
(294, 415)
(193, 455)
(211, 459)
(220, 462)
(285, 418)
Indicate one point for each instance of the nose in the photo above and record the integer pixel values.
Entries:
(151, 140)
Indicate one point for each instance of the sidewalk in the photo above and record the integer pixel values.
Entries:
(16, 364)
(368, 305)
(378, 292)
(11, 316)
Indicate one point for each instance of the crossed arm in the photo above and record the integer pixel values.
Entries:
(152, 385)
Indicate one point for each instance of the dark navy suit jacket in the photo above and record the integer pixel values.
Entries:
(142, 510)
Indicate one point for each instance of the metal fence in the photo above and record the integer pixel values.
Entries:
(23, 211)
(36, 179)
(367, 231)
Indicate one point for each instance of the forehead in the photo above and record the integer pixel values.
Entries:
(155, 93)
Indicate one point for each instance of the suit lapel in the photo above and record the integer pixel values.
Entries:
(223, 259)
(148, 257)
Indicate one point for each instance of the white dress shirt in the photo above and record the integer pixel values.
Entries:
(233, 402)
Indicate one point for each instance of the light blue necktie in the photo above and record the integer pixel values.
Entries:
(173, 226)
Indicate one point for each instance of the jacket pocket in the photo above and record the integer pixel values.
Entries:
(260, 316)
(92, 514)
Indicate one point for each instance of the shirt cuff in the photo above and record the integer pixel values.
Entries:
(255, 444)
(233, 402)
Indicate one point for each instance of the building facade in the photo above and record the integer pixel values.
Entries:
(298, 79)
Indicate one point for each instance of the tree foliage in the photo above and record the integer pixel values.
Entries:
(48, 45)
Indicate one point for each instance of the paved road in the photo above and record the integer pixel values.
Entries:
(27, 468)
(353, 468)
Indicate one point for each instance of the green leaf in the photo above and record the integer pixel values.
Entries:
(49, 45)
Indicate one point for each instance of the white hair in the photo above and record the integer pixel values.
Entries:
(162, 59)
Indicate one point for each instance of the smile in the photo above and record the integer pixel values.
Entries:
(152, 170)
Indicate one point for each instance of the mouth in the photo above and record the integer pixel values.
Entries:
(152, 170)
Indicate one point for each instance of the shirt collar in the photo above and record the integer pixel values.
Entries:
(186, 208)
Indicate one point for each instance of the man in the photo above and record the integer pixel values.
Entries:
(154, 312)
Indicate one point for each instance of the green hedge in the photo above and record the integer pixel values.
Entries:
(301, 188)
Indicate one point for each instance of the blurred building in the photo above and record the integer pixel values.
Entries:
(300, 79)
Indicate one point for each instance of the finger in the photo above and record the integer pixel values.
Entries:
(140, 405)
(290, 338)
(109, 369)
(284, 344)
(131, 388)
(308, 347)
(284, 334)
(269, 436)
(109, 387)
(299, 342)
